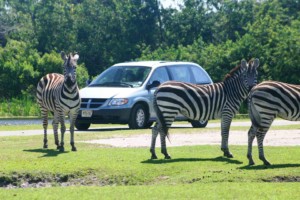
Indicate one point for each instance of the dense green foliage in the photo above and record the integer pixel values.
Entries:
(215, 34)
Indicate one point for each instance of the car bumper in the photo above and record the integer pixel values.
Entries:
(106, 116)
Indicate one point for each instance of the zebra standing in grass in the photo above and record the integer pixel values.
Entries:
(266, 101)
(203, 102)
(59, 94)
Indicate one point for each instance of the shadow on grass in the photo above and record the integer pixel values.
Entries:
(46, 152)
(217, 159)
(263, 167)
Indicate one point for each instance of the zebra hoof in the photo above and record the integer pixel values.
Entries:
(74, 149)
(45, 146)
(267, 163)
(228, 154)
(168, 157)
(251, 163)
(61, 149)
(153, 154)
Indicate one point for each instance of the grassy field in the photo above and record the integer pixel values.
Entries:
(101, 172)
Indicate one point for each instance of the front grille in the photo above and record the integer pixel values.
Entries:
(87, 103)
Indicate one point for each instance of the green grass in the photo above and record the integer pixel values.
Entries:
(101, 172)
(247, 191)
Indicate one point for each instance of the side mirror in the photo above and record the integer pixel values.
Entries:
(153, 84)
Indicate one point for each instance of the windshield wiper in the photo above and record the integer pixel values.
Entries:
(126, 84)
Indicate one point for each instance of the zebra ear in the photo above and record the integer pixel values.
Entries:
(76, 57)
(256, 63)
(63, 55)
(244, 65)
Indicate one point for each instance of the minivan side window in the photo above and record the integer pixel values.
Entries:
(201, 77)
(181, 73)
(160, 74)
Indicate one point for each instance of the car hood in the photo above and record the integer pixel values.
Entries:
(106, 92)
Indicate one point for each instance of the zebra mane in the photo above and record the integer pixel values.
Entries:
(250, 63)
(232, 72)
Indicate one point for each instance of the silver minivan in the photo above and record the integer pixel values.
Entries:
(123, 93)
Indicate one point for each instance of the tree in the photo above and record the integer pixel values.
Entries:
(17, 72)
(115, 31)
(54, 26)
(277, 40)
(184, 26)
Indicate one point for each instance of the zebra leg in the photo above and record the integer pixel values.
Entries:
(72, 118)
(62, 130)
(163, 144)
(55, 129)
(251, 136)
(260, 139)
(45, 126)
(153, 141)
(225, 125)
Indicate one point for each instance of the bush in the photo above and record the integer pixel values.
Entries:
(23, 106)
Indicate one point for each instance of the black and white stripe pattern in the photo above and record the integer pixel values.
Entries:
(59, 94)
(268, 100)
(203, 102)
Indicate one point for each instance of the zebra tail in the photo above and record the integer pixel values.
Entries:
(254, 115)
(160, 117)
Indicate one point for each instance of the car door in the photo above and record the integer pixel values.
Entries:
(159, 74)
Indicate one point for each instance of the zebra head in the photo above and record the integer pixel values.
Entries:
(249, 72)
(70, 64)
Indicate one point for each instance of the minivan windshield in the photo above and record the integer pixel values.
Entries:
(122, 76)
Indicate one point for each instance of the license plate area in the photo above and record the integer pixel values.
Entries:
(86, 113)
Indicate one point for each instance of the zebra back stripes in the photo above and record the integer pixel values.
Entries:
(203, 102)
(268, 100)
(59, 94)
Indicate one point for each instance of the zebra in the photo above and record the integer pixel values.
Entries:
(266, 101)
(60, 94)
(203, 102)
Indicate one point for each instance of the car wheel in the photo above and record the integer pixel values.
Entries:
(82, 126)
(138, 118)
(199, 124)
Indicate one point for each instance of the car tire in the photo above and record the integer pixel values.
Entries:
(82, 126)
(199, 124)
(138, 117)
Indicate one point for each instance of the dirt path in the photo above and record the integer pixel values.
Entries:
(206, 137)
(273, 138)
(209, 137)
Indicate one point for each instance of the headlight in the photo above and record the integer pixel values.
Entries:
(118, 102)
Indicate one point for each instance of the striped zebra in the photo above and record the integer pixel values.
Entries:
(59, 94)
(266, 101)
(203, 102)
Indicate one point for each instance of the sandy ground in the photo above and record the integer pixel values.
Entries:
(209, 137)
(205, 137)
(273, 138)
